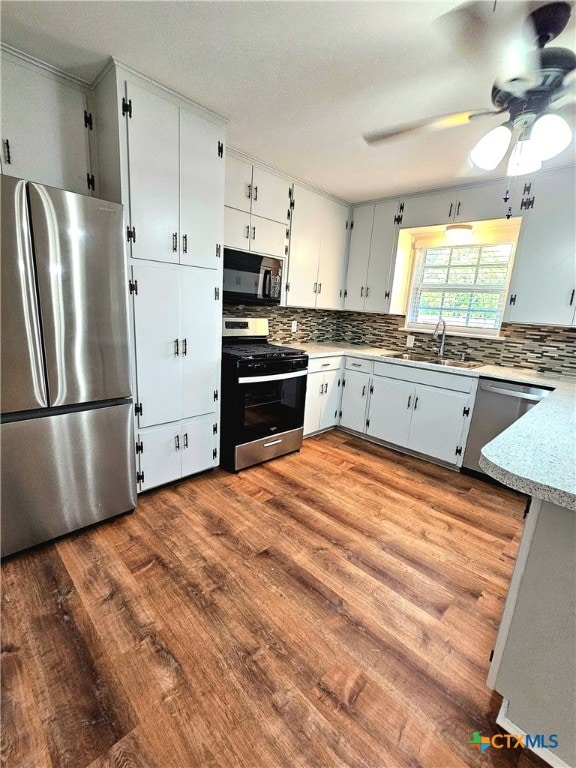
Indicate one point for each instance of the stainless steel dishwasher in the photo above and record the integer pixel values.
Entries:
(498, 405)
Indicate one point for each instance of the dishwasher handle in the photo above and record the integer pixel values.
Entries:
(534, 397)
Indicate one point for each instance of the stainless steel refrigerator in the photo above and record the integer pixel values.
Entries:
(66, 430)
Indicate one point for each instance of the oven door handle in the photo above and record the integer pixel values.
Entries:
(272, 377)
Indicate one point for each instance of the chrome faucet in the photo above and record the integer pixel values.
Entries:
(442, 338)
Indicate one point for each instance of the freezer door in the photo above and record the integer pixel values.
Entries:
(23, 382)
(61, 473)
(79, 251)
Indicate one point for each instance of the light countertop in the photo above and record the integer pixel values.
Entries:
(537, 454)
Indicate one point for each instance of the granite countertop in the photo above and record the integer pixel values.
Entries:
(537, 454)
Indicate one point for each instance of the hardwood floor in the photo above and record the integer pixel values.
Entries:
(335, 607)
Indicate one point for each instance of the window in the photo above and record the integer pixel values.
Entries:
(465, 285)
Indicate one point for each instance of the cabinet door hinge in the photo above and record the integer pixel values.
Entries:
(387, 294)
(88, 123)
(339, 414)
(343, 382)
(218, 250)
(90, 183)
(466, 411)
(287, 287)
(491, 655)
(215, 453)
(458, 451)
(133, 286)
(138, 409)
(367, 423)
(131, 234)
(126, 107)
(292, 204)
(401, 207)
(512, 299)
(371, 389)
(220, 149)
(527, 188)
(140, 447)
(216, 294)
(215, 395)
(139, 477)
(527, 202)
(214, 429)
(352, 225)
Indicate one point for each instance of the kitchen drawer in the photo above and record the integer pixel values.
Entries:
(433, 378)
(317, 364)
(358, 364)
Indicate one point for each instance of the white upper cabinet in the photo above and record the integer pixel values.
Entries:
(238, 184)
(543, 284)
(176, 181)
(318, 251)
(429, 208)
(45, 136)
(257, 202)
(270, 195)
(486, 201)
(372, 255)
(154, 159)
(201, 191)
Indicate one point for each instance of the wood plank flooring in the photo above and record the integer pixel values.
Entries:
(335, 607)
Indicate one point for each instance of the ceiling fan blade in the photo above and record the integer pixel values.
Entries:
(430, 124)
(498, 36)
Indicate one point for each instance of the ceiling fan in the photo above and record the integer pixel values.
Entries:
(532, 83)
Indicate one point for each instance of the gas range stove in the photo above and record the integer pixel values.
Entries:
(258, 351)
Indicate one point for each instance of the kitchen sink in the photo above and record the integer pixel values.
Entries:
(454, 363)
(410, 356)
(444, 361)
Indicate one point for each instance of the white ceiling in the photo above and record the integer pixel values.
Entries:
(299, 82)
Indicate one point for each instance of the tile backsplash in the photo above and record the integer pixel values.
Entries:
(545, 348)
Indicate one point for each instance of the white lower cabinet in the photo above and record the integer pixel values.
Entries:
(355, 392)
(424, 411)
(171, 451)
(322, 395)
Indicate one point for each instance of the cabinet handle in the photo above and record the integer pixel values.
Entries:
(450, 211)
(319, 287)
(409, 401)
(184, 347)
(247, 233)
(362, 292)
(363, 391)
(367, 291)
(416, 403)
(185, 439)
(325, 365)
(255, 195)
(184, 243)
(356, 365)
(253, 233)
(572, 296)
(249, 191)
(458, 209)
(315, 289)
(321, 389)
(326, 388)
(176, 348)
(174, 241)
(7, 156)
(177, 441)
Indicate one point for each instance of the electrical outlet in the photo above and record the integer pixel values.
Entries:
(294, 326)
(410, 341)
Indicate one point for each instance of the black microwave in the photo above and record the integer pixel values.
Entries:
(250, 278)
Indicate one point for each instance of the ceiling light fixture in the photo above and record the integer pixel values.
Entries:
(541, 136)
(460, 234)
